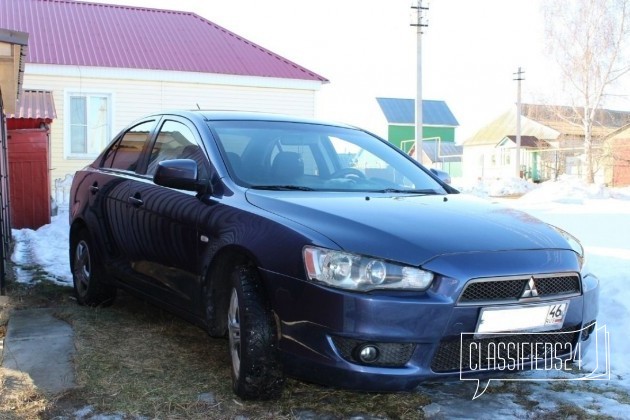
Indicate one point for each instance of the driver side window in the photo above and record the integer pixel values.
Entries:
(176, 141)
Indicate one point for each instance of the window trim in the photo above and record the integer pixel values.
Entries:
(67, 141)
(120, 137)
(164, 118)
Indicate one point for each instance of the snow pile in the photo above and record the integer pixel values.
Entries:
(567, 190)
(620, 193)
(508, 187)
(44, 252)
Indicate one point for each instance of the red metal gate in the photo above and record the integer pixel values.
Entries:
(30, 179)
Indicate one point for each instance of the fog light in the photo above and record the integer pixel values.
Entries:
(368, 353)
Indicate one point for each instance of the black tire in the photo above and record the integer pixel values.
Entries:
(88, 273)
(256, 368)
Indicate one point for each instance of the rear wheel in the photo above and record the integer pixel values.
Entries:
(88, 273)
(256, 369)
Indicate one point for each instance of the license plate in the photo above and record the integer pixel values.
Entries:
(531, 318)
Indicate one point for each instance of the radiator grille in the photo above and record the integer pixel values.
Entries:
(511, 290)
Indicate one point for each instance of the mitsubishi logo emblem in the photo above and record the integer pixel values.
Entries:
(530, 289)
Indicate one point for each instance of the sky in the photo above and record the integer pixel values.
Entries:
(367, 49)
(598, 216)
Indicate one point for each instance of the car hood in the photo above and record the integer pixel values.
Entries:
(411, 229)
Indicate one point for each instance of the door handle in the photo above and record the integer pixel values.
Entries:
(135, 201)
(93, 189)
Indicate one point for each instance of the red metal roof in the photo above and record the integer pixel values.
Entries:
(103, 35)
(35, 104)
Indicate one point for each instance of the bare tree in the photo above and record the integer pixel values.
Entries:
(588, 39)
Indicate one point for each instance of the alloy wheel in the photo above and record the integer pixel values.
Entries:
(234, 333)
(82, 266)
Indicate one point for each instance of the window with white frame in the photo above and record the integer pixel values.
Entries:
(89, 124)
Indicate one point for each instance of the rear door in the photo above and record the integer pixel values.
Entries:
(108, 189)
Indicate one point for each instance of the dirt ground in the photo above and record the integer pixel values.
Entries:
(136, 361)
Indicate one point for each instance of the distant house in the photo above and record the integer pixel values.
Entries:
(617, 158)
(438, 131)
(107, 65)
(552, 142)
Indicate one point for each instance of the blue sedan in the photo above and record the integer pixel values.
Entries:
(322, 252)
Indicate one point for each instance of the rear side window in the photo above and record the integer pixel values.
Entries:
(125, 153)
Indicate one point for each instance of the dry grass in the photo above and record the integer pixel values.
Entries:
(136, 359)
(19, 399)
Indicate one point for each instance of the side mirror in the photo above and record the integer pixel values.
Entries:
(177, 173)
(443, 175)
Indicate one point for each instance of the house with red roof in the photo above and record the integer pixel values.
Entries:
(101, 66)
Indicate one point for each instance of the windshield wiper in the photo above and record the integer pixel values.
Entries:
(396, 190)
(281, 187)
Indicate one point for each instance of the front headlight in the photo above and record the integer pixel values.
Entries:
(357, 272)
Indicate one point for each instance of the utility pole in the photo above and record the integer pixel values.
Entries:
(419, 23)
(519, 78)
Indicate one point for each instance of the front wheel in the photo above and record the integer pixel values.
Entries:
(88, 273)
(256, 369)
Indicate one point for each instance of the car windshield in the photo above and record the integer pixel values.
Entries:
(312, 157)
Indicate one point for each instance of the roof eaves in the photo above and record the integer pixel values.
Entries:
(17, 40)
(35, 104)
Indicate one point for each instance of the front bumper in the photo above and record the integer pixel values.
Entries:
(322, 331)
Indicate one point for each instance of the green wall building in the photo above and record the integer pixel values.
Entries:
(438, 130)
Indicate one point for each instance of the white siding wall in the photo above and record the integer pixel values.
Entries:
(132, 98)
(478, 162)
(474, 164)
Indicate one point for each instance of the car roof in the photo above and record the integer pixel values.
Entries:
(227, 115)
